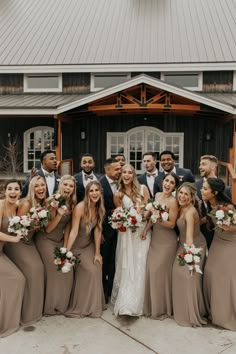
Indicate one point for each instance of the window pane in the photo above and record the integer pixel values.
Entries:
(41, 82)
(185, 80)
(102, 81)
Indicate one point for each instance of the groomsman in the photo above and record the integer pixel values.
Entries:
(149, 177)
(167, 162)
(87, 175)
(48, 171)
(109, 184)
(121, 159)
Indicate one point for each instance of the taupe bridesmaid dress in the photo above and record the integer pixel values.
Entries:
(187, 290)
(58, 285)
(28, 260)
(12, 285)
(158, 283)
(87, 295)
(219, 280)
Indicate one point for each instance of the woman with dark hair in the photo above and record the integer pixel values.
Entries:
(131, 252)
(58, 286)
(161, 254)
(12, 281)
(188, 303)
(85, 239)
(219, 279)
(26, 256)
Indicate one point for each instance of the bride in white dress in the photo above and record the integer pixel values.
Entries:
(131, 253)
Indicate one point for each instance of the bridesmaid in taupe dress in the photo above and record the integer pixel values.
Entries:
(219, 280)
(161, 255)
(85, 239)
(188, 302)
(58, 285)
(12, 281)
(25, 255)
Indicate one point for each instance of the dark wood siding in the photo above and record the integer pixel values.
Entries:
(218, 81)
(155, 74)
(11, 83)
(76, 82)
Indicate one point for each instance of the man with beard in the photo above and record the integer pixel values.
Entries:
(87, 175)
(149, 177)
(48, 171)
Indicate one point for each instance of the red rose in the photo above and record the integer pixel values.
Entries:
(189, 252)
(122, 229)
(181, 255)
(133, 221)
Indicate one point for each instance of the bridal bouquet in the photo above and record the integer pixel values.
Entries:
(191, 257)
(58, 201)
(19, 225)
(65, 260)
(158, 211)
(134, 219)
(223, 216)
(121, 219)
(39, 217)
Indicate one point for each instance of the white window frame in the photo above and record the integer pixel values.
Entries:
(118, 134)
(200, 79)
(26, 134)
(92, 79)
(58, 89)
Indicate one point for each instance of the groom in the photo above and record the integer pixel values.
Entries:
(109, 184)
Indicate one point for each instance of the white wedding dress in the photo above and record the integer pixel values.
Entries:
(129, 281)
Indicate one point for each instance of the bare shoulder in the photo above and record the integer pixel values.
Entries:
(173, 202)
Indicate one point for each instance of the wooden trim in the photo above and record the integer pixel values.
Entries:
(58, 132)
(230, 173)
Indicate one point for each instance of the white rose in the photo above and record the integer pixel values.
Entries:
(197, 268)
(220, 214)
(42, 214)
(25, 221)
(165, 216)
(148, 206)
(196, 259)
(14, 220)
(63, 250)
(188, 258)
(69, 254)
(65, 269)
(57, 196)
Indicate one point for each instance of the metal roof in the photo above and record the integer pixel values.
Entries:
(108, 32)
(50, 104)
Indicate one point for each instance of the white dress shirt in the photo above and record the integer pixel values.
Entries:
(50, 180)
(113, 184)
(88, 178)
(150, 180)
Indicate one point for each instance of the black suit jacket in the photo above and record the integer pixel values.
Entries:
(40, 173)
(184, 175)
(80, 190)
(143, 180)
(109, 207)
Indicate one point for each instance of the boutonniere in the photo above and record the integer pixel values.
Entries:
(58, 180)
(181, 178)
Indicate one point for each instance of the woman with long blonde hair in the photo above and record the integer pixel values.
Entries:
(85, 239)
(58, 286)
(26, 256)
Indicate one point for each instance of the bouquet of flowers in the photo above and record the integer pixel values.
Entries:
(223, 216)
(39, 217)
(191, 257)
(158, 211)
(134, 219)
(20, 225)
(58, 201)
(65, 260)
(122, 219)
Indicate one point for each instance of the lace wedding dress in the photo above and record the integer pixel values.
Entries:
(129, 282)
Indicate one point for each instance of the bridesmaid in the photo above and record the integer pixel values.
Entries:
(219, 279)
(85, 239)
(161, 255)
(27, 258)
(188, 303)
(58, 285)
(12, 281)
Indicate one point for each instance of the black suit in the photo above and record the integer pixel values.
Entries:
(143, 180)
(40, 173)
(108, 248)
(184, 175)
(80, 190)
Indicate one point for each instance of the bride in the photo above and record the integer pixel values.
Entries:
(131, 253)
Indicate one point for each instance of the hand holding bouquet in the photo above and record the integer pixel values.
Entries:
(58, 201)
(158, 211)
(118, 218)
(39, 217)
(223, 216)
(20, 225)
(191, 257)
(65, 260)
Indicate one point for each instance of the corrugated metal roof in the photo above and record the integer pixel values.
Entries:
(227, 98)
(77, 32)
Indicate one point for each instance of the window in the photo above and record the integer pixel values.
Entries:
(36, 140)
(43, 83)
(191, 81)
(101, 81)
(136, 141)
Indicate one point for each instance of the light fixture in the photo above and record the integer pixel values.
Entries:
(208, 135)
(83, 135)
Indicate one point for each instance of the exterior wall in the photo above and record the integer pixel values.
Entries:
(11, 83)
(218, 81)
(76, 83)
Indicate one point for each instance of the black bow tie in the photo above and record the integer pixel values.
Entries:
(88, 177)
(149, 174)
(49, 174)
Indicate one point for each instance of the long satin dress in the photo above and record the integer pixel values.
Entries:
(87, 295)
(187, 290)
(58, 285)
(26, 257)
(158, 282)
(219, 280)
(12, 286)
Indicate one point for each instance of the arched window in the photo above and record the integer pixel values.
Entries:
(36, 140)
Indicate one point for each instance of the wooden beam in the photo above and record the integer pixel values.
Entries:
(58, 131)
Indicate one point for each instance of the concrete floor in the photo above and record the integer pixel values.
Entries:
(122, 335)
